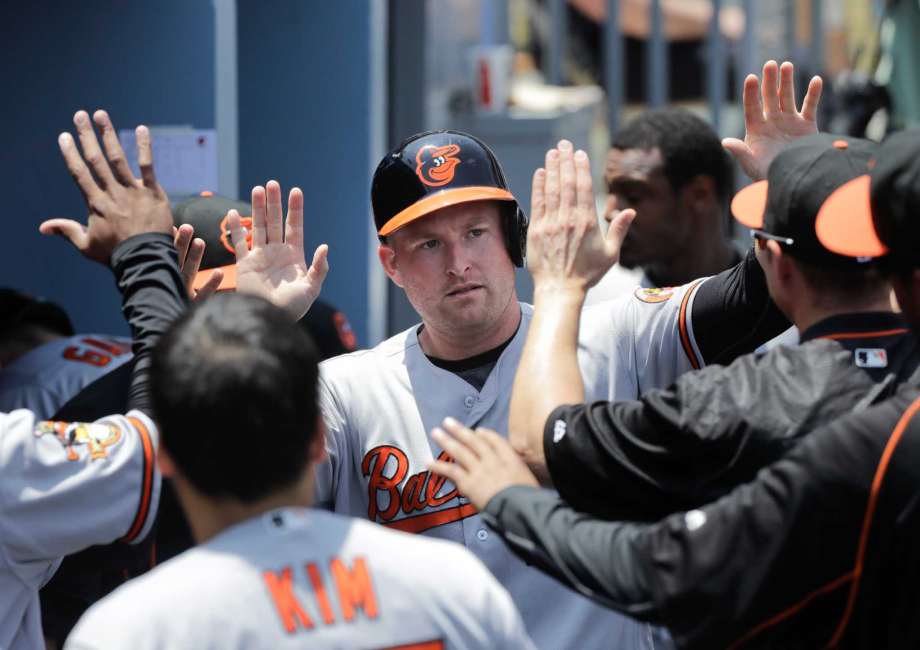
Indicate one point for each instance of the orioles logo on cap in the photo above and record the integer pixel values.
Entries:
(436, 164)
(225, 237)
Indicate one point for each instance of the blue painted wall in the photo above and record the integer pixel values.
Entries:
(149, 62)
(303, 87)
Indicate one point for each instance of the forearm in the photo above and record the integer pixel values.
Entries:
(599, 559)
(548, 374)
(153, 296)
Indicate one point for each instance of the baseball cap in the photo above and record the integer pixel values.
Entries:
(878, 214)
(785, 206)
(430, 171)
(207, 214)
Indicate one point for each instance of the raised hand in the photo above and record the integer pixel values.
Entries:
(275, 268)
(120, 206)
(565, 247)
(191, 252)
(771, 120)
(484, 462)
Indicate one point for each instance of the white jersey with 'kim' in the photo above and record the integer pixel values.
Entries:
(301, 578)
(381, 404)
(65, 487)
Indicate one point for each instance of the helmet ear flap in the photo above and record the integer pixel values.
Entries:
(515, 226)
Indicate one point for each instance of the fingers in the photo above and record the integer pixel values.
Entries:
(78, 169)
(113, 150)
(182, 239)
(451, 471)
(551, 188)
(274, 216)
(768, 88)
(259, 235)
(145, 157)
(465, 436)
(619, 226)
(319, 267)
(91, 151)
(538, 195)
(787, 88)
(753, 107)
(293, 230)
(812, 99)
(70, 230)
(240, 248)
(206, 290)
(566, 178)
(584, 189)
(193, 262)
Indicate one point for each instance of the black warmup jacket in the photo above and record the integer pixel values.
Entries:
(684, 446)
(821, 549)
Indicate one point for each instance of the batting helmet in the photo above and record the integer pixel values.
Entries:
(438, 169)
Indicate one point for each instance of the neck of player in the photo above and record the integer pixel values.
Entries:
(462, 344)
(806, 313)
(697, 261)
(208, 516)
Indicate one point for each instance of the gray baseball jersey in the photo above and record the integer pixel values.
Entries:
(45, 378)
(64, 487)
(301, 578)
(381, 404)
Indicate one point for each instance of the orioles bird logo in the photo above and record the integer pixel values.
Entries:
(97, 437)
(225, 238)
(436, 164)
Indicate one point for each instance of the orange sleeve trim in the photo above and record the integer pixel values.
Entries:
(421, 523)
(792, 611)
(143, 509)
(865, 335)
(684, 332)
(877, 481)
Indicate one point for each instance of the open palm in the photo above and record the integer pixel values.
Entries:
(275, 267)
(771, 120)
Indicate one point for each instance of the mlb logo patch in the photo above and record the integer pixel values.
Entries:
(871, 358)
(558, 430)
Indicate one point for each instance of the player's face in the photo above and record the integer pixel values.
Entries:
(454, 268)
(635, 179)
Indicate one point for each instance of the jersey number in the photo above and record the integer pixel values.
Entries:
(95, 357)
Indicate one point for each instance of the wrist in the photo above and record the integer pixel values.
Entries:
(559, 293)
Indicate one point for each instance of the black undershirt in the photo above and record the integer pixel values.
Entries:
(473, 370)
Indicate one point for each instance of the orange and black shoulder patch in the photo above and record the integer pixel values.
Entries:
(662, 294)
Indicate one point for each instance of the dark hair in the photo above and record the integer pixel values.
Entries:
(233, 385)
(842, 287)
(688, 145)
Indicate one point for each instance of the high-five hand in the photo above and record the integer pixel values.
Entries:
(120, 206)
(774, 122)
(565, 246)
(275, 268)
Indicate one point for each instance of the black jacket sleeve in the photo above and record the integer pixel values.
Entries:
(773, 560)
(153, 296)
(733, 313)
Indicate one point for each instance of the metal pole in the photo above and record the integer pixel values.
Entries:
(746, 56)
(614, 70)
(817, 36)
(715, 69)
(789, 27)
(493, 22)
(657, 59)
(556, 49)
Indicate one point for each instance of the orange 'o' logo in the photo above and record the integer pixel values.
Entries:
(225, 237)
(436, 164)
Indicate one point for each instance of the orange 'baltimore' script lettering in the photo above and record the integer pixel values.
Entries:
(410, 495)
(353, 586)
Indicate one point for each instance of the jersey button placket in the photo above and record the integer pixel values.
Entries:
(469, 401)
(482, 534)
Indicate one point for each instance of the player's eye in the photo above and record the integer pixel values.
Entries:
(430, 244)
(476, 232)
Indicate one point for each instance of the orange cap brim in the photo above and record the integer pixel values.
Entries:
(750, 204)
(443, 199)
(844, 223)
(227, 284)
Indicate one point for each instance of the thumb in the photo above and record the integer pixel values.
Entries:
(743, 155)
(619, 226)
(320, 265)
(71, 230)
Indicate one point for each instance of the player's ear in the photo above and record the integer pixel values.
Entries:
(317, 450)
(165, 463)
(700, 194)
(387, 256)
